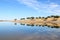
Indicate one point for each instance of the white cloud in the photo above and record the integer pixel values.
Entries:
(49, 7)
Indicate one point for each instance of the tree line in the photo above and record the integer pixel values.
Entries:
(52, 16)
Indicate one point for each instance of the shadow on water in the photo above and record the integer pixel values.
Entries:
(51, 25)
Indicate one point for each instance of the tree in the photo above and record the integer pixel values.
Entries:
(43, 17)
(48, 17)
(52, 15)
(22, 19)
(56, 16)
(39, 17)
(32, 17)
(28, 18)
(15, 19)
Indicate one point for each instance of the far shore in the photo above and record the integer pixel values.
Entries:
(34, 21)
(48, 22)
(48, 19)
(37, 20)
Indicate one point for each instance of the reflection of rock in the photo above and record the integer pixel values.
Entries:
(51, 24)
(58, 24)
(55, 25)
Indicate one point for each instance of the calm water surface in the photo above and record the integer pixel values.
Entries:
(13, 31)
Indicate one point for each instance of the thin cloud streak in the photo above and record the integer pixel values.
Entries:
(49, 7)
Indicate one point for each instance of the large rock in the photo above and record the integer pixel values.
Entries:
(58, 19)
(50, 19)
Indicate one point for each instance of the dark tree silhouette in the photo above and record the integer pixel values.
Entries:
(32, 17)
(39, 17)
(15, 19)
(28, 18)
(22, 19)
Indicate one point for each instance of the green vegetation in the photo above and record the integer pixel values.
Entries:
(15, 19)
(22, 19)
(52, 16)
(32, 17)
(37, 17)
(28, 18)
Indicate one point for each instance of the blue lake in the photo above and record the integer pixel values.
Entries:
(13, 31)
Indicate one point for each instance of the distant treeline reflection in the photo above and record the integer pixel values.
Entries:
(32, 25)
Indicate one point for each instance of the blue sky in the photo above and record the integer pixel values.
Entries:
(10, 9)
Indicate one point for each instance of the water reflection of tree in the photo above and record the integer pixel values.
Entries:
(44, 25)
(39, 25)
(22, 24)
(36, 25)
(54, 26)
(15, 23)
(30, 24)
